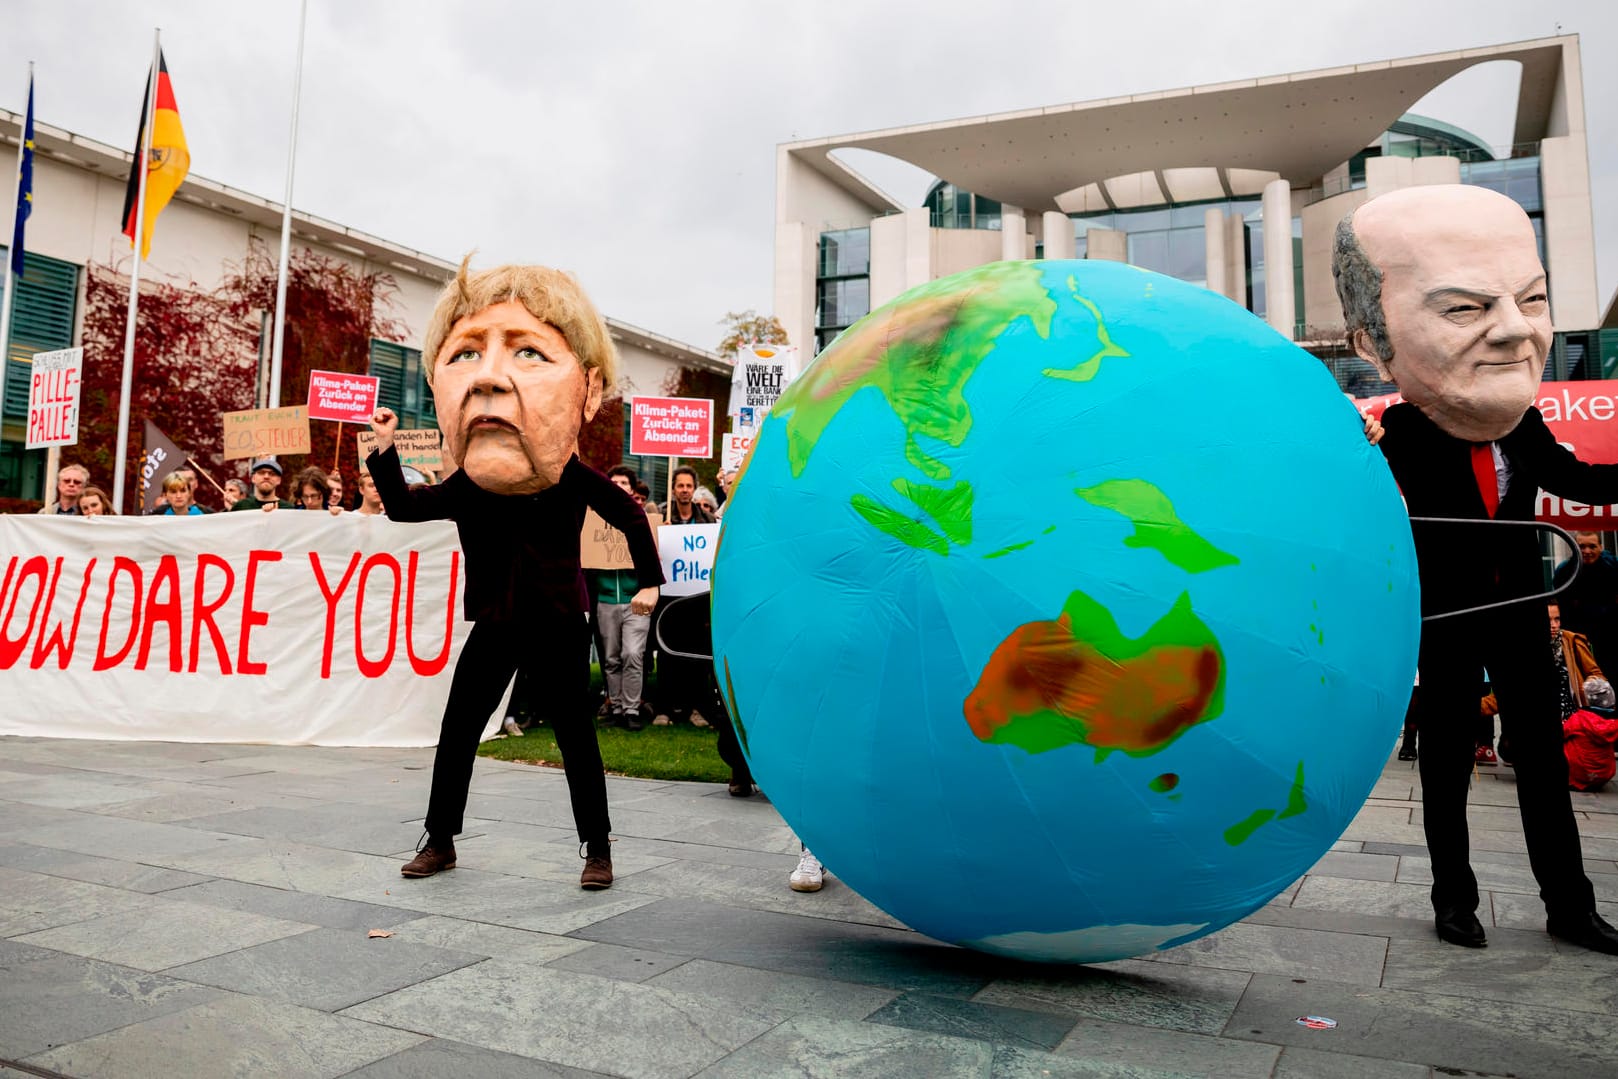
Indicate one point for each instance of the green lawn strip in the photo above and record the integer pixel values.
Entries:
(654, 753)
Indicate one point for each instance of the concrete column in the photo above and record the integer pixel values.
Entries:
(1279, 303)
(918, 247)
(796, 248)
(1013, 230)
(1109, 245)
(1236, 258)
(888, 258)
(1058, 235)
(1214, 241)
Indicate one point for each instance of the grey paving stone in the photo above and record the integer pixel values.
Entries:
(790, 993)
(480, 938)
(328, 969)
(646, 1033)
(1445, 1031)
(1154, 1052)
(197, 801)
(828, 1047)
(1356, 866)
(34, 901)
(761, 889)
(1526, 912)
(527, 850)
(436, 1058)
(113, 872)
(1365, 897)
(341, 827)
(293, 906)
(1299, 953)
(1163, 995)
(231, 1036)
(1524, 967)
(69, 791)
(164, 934)
(819, 947)
(48, 999)
(151, 843)
(975, 1019)
(283, 863)
(545, 906)
(624, 964)
(1300, 1063)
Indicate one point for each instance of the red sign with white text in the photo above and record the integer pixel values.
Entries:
(670, 427)
(1584, 417)
(334, 395)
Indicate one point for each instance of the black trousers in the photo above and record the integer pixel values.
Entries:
(556, 651)
(1511, 643)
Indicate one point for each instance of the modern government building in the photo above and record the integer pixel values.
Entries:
(1236, 187)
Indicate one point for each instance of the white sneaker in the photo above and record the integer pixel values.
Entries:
(511, 728)
(809, 875)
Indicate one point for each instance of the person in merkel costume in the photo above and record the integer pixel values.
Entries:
(1444, 293)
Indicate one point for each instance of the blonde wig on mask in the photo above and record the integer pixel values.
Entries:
(552, 296)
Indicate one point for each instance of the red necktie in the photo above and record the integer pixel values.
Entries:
(1483, 469)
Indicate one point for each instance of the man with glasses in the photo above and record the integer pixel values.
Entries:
(70, 484)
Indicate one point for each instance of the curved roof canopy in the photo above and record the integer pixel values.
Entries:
(1299, 126)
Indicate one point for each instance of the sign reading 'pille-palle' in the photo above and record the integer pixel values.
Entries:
(53, 398)
(346, 398)
(671, 427)
(1584, 417)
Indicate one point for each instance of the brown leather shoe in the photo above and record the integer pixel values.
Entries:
(429, 860)
(597, 874)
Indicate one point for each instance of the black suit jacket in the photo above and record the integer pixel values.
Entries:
(522, 551)
(1466, 566)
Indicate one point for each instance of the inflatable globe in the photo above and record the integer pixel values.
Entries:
(1064, 611)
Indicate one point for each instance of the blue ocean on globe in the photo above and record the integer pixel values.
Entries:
(1064, 610)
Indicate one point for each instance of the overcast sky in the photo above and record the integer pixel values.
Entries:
(634, 142)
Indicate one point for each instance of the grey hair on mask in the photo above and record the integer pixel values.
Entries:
(1359, 289)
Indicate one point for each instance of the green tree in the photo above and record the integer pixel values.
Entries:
(748, 327)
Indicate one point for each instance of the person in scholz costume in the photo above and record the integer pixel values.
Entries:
(518, 358)
(1444, 293)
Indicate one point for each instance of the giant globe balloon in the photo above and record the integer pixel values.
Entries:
(1064, 610)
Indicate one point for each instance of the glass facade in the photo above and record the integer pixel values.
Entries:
(401, 384)
(842, 282)
(951, 207)
(44, 307)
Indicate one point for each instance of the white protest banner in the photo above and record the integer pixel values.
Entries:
(761, 373)
(334, 395)
(284, 628)
(53, 398)
(734, 447)
(671, 427)
(263, 432)
(687, 554)
(421, 449)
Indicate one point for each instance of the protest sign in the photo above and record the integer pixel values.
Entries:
(262, 432)
(734, 447)
(345, 398)
(761, 373)
(670, 427)
(53, 398)
(687, 553)
(420, 449)
(158, 457)
(602, 546)
(280, 628)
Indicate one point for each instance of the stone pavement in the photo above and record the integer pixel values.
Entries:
(198, 910)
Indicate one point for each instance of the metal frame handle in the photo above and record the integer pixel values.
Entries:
(1537, 597)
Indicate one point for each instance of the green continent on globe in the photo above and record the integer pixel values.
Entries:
(1079, 680)
(1090, 366)
(1157, 526)
(1242, 831)
(919, 355)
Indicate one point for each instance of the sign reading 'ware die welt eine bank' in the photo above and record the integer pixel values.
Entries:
(671, 427)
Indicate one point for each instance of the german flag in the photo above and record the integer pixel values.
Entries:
(167, 158)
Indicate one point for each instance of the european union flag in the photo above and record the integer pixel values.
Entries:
(25, 182)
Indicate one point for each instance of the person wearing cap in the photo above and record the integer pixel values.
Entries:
(265, 478)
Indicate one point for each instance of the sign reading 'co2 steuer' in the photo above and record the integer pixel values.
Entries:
(266, 432)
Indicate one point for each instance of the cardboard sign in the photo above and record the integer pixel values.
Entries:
(602, 546)
(419, 449)
(345, 398)
(262, 432)
(1584, 417)
(671, 427)
(734, 448)
(687, 554)
(53, 398)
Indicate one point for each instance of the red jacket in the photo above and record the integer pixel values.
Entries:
(1587, 739)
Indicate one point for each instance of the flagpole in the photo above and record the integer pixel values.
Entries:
(141, 160)
(5, 300)
(280, 327)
